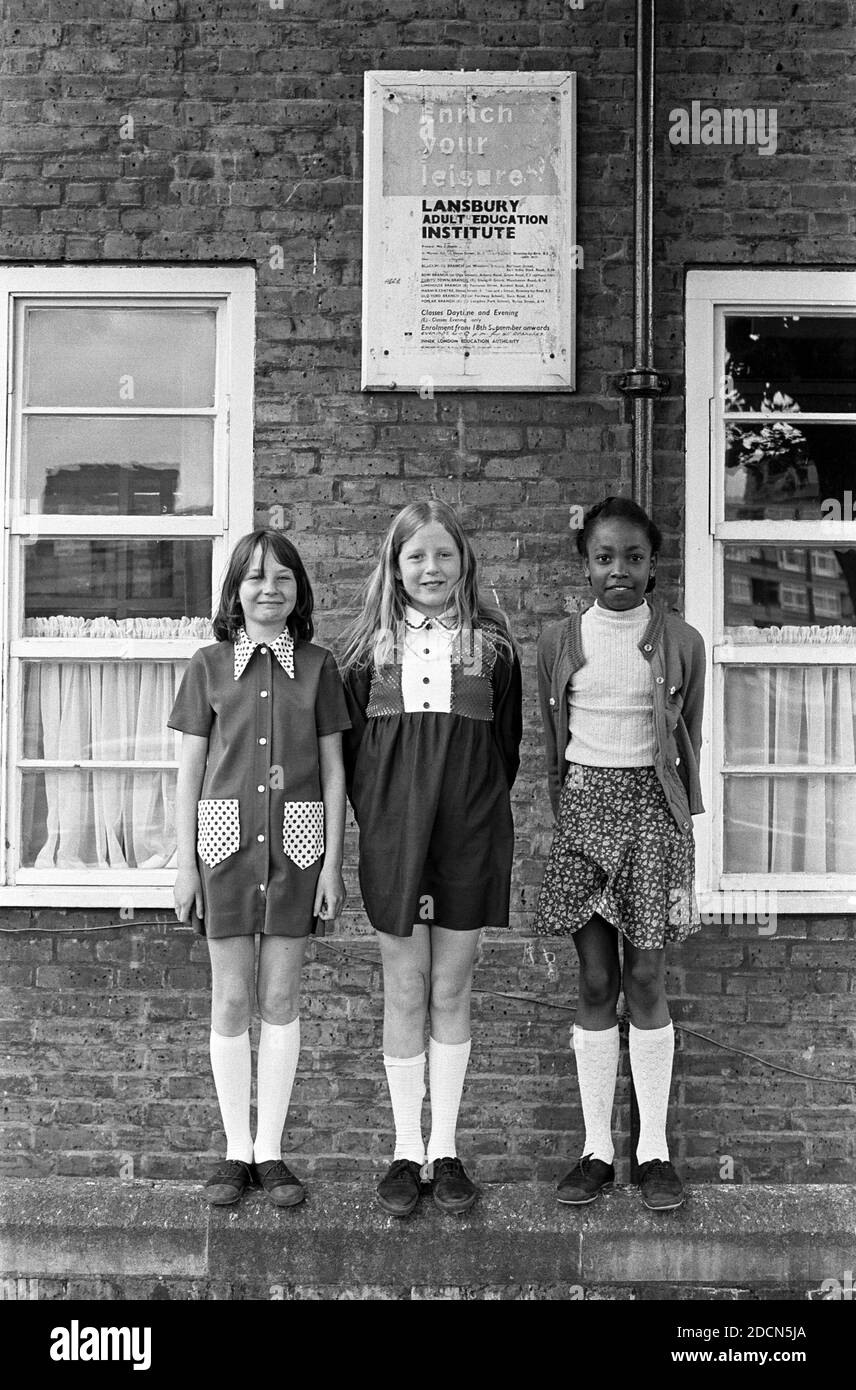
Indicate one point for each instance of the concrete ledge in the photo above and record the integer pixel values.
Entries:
(63, 1226)
(788, 1237)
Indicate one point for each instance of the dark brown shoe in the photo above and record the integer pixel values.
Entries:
(399, 1191)
(228, 1183)
(585, 1182)
(661, 1188)
(278, 1181)
(453, 1190)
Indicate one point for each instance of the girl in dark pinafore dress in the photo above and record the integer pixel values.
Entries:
(433, 690)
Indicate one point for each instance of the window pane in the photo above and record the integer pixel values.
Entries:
(98, 820)
(790, 825)
(806, 358)
(131, 467)
(120, 357)
(99, 710)
(103, 577)
(784, 470)
(805, 593)
(790, 715)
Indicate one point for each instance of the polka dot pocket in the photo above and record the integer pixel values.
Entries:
(303, 831)
(218, 830)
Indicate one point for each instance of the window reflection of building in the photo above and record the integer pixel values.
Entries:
(772, 586)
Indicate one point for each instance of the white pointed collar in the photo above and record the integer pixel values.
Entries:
(415, 619)
(282, 648)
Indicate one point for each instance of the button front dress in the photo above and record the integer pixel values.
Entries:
(260, 824)
(431, 757)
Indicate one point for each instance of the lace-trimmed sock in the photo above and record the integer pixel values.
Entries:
(596, 1053)
(651, 1054)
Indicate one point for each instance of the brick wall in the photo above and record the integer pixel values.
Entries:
(247, 135)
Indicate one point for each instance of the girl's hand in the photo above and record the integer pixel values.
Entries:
(187, 894)
(329, 895)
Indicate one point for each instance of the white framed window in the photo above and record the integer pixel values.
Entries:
(827, 604)
(770, 478)
(793, 598)
(740, 588)
(127, 479)
(792, 560)
(824, 564)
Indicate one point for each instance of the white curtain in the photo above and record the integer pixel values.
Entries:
(802, 716)
(77, 711)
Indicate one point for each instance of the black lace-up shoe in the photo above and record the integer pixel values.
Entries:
(586, 1180)
(453, 1190)
(398, 1192)
(278, 1181)
(228, 1182)
(661, 1188)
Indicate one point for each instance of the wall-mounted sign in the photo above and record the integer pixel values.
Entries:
(469, 255)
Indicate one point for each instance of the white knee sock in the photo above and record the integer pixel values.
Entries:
(447, 1067)
(406, 1080)
(596, 1052)
(651, 1053)
(230, 1063)
(279, 1046)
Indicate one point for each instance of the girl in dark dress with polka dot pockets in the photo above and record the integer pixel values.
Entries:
(433, 689)
(622, 690)
(260, 815)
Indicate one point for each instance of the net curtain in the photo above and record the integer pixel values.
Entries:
(98, 818)
(793, 715)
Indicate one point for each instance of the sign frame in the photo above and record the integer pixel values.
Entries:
(409, 341)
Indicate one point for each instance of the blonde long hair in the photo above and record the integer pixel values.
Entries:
(372, 638)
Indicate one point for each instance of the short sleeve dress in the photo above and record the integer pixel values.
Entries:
(431, 757)
(260, 822)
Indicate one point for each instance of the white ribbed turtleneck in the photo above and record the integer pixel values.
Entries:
(611, 700)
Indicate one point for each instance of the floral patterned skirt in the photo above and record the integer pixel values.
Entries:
(618, 852)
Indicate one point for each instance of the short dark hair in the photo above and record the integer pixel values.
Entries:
(620, 509)
(229, 617)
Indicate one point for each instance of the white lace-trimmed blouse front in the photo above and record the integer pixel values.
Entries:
(426, 668)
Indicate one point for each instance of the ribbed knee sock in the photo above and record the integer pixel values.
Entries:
(596, 1053)
(406, 1080)
(651, 1054)
(447, 1069)
(279, 1048)
(231, 1065)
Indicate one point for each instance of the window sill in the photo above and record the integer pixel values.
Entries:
(90, 895)
(784, 904)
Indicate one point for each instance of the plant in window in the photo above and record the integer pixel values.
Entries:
(769, 461)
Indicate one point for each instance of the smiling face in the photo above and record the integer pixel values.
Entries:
(429, 567)
(267, 594)
(619, 563)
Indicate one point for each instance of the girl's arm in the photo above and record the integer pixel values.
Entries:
(357, 688)
(546, 661)
(693, 706)
(508, 713)
(191, 770)
(330, 893)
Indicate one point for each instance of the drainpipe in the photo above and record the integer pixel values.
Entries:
(643, 383)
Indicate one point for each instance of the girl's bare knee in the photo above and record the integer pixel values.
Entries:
(279, 1006)
(231, 1007)
(643, 977)
(599, 986)
(406, 993)
(449, 996)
